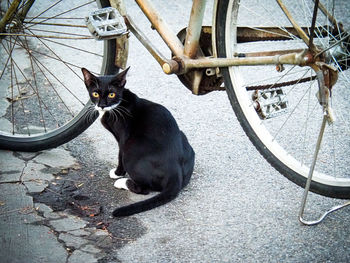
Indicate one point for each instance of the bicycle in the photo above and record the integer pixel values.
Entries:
(303, 58)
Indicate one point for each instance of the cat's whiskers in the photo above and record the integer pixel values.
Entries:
(117, 111)
(125, 110)
(114, 115)
(91, 111)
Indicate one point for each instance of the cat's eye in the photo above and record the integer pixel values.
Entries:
(95, 94)
(111, 95)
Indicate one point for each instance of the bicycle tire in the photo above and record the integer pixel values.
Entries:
(333, 188)
(70, 129)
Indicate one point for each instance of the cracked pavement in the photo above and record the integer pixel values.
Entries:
(29, 230)
(236, 208)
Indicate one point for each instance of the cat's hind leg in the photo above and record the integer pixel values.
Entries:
(128, 184)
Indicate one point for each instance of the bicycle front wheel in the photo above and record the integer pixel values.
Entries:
(43, 99)
(278, 106)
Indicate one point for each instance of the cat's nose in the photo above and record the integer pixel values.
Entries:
(102, 105)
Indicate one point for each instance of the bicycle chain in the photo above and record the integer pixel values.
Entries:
(275, 85)
(279, 85)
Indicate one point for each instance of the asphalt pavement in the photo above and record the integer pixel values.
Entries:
(236, 208)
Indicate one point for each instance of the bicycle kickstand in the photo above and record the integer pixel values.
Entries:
(308, 182)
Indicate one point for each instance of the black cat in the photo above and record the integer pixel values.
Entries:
(152, 150)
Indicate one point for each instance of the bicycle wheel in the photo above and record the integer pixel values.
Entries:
(43, 99)
(277, 106)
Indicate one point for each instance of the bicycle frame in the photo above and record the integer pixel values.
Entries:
(185, 55)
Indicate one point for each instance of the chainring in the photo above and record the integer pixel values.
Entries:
(208, 82)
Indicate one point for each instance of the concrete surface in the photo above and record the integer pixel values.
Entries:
(236, 208)
(32, 232)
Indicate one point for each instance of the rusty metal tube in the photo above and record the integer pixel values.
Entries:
(9, 15)
(122, 42)
(161, 26)
(300, 31)
(292, 58)
(145, 41)
(168, 66)
(194, 28)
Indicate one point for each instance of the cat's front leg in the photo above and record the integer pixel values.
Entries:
(114, 175)
(119, 171)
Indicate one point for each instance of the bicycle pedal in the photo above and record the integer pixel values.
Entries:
(106, 23)
(270, 103)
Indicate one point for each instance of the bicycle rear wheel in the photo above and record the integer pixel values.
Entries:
(43, 99)
(277, 106)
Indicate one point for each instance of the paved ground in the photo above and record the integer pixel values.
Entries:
(236, 208)
(32, 232)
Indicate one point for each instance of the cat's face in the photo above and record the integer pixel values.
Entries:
(106, 92)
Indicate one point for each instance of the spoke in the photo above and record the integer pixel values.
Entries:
(24, 76)
(52, 74)
(45, 10)
(335, 44)
(14, 76)
(308, 116)
(55, 24)
(8, 59)
(340, 70)
(58, 32)
(22, 5)
(59, 81)
(25, 44)
(48, 56)
(20, 101)
(328, 15)
(43, 36)
(12, 102)
(256, 14)
(301, 33)
(65, 63)
(50, 83)
(295, 82)
(65, 12)
(318, 32)
(270, 78)
(261, 29)
(72, 47)
(290, 115)
(56, 18)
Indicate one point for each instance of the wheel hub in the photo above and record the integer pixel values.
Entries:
(15, 26)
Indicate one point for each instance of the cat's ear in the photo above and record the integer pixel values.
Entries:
(89, 78)
(120, 79)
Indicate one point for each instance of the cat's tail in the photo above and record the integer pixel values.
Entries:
(169, 193)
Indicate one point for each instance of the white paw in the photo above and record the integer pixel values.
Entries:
(113, 175)
(121, 183)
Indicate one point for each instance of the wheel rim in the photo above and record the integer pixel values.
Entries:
(41, 82)
(291, 136)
